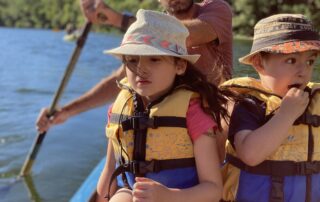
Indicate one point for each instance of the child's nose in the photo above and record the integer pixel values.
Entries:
(302, 69)
(142, 69)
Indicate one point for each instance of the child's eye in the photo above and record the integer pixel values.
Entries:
(155, 59)
(310, 62)
(131, 60)
(291, 61)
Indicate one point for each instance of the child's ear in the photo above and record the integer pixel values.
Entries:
(181, 66)
(257, 63)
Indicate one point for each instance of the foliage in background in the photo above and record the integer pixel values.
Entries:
(55, 14)
(248, 12)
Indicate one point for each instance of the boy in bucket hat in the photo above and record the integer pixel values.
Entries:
(274, 135)
(162, 124)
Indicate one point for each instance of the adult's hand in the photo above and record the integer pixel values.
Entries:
(44, 122)
(97, 12)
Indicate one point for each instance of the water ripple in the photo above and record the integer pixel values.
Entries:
(35, 91)
(11, 138)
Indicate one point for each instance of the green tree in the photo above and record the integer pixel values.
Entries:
(55, 14)
(248, 12)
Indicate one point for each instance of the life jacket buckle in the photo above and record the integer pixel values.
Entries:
(151, 122)
(308, 168)
(133, 167)
(141, 167)
(147, 166)
(308, 119)
(143, 122)
(313, 120)
(138, 123)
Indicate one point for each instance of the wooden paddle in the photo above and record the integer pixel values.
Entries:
(40, 137)
(32, 191)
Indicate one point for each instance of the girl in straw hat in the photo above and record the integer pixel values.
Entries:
(274, 134)
(161, 127)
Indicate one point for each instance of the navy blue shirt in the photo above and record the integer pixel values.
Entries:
(248, 114)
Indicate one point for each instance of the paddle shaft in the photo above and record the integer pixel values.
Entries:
(40, 137)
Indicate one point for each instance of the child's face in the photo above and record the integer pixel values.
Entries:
(176, 6)
(152, 76)
(278, 72)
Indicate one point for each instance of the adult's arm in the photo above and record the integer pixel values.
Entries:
(105, 91)
(214, 22)
(97, 12)
(200, 32)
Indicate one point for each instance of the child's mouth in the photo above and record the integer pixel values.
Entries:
(143, 82)
(296, 85)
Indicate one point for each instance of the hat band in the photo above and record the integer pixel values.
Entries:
(155, 42)
(306, 35)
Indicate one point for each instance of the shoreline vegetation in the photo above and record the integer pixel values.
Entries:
(117, 32)
(242, 38)
(57, 14)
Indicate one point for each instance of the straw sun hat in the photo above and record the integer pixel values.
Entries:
(155, 33)
(283, 33)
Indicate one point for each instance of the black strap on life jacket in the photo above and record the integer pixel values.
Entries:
(277, 168)
(139, 143)
(277, 185)
(310, 152)
(143, 167)
(144, 122)
(155, 166)
(139, 134)
(308, 119)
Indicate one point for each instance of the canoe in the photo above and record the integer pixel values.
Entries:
(87, 191)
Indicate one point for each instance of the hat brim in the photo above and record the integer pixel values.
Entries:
(146, 50)
(283, 48)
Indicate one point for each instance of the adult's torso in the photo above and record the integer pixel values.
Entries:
(216, 56)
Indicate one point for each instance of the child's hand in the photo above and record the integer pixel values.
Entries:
(148, 190)
(294, 103)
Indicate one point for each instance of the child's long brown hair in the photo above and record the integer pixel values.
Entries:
(213, 99)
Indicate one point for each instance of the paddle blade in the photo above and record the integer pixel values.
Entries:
(32, 154)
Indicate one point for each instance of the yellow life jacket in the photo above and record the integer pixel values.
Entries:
(164, 122)
(296, 151)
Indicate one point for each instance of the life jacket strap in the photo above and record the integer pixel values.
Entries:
(277, 184)
(277, 168)
(143, 122)
(119, 170)
(143, 167)
(308, 119)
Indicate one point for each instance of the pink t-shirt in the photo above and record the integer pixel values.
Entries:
(216, 57)
(198, 122)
